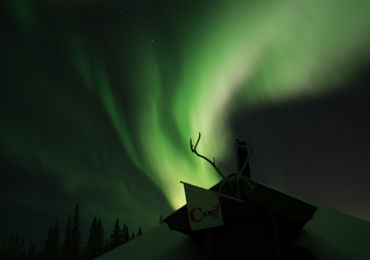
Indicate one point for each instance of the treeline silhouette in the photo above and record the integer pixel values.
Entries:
(68, 245)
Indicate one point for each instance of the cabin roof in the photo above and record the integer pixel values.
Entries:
(256, 202)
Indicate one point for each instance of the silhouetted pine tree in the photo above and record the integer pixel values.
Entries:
(100, 238)
(67, 243)
(76, 235)
(13, 248)
(5, 249)
(139, 232)
(2, 249)
(52, 247)
(22, 251)
(125, 234)
(32, 251)
(116, 236)
(92, 249)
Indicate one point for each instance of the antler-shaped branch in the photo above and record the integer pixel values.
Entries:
(194, 150)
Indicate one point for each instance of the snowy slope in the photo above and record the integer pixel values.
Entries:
(335, 234)
(329, 235)
(158, 243)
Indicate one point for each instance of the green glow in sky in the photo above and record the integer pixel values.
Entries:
(190, 68)
(235, 55)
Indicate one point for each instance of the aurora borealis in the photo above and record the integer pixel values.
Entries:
(99, 100)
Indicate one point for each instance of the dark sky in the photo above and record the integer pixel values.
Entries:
(98, 102)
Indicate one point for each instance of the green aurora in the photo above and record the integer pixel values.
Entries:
(267, 52)
(158, 75)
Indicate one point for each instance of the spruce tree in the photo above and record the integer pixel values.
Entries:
(22, 252)
(10, 248)
(139, 232)
(67, 243)
(125, 234)
(93, 241)
(13, 246)
(100, 238)
(32, 251)
(76, 235)
(116, 236)
(3, 250)
(51, 247)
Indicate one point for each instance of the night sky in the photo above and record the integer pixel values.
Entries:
(99, 99)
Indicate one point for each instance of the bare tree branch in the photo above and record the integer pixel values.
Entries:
(194, 150)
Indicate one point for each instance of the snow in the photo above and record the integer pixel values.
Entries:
(158, 243)
(337, 234)
(329, 235)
